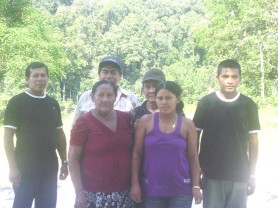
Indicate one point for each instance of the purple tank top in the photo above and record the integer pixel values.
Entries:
(166, 168)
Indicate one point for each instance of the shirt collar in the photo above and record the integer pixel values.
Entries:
(35, 96)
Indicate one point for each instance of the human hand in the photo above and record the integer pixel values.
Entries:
(80, 200)
(197, 195)
(15, 176)
(63, 172)
(135, 193)
(251, 186)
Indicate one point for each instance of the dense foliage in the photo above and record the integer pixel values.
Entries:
(185, 38)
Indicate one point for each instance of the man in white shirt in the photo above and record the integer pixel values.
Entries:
(110, 68)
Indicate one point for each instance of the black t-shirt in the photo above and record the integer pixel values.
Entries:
(226, 126)
(35, 120)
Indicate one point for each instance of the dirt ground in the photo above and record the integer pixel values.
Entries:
(266, 194)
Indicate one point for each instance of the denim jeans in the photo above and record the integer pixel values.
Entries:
(41, 189)
(224, 194)
(168, 202)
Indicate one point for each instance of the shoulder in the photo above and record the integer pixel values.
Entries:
(84, 118)
(145, 119)
(19, 96)
(187, 122)
(128, 93)
(207, 100)
(85, 94)
(209, 97)
(51, 98)
(138, 110)
(246, 98)
(123, 115)
(17, 99)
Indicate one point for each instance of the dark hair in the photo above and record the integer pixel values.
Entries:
(101, 82)
(35, 65)
(175, 89)
(228, 63)
(111, 64)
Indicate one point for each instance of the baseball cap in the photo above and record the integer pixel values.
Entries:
(154, 74)
(111, 59)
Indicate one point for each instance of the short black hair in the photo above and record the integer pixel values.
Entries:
(101, 82)
(35, 65)
(228, 63)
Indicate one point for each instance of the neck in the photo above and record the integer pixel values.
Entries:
(105, 116)
(228, 95)
(152, 107)
(168, 121)
(36, 93)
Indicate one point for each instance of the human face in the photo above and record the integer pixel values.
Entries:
(110, 73)
(166, 101)
(37, 81)
(229, 80)
(149, 90)
(104, 98)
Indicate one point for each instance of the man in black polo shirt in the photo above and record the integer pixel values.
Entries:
(35, 119)
(229, 124)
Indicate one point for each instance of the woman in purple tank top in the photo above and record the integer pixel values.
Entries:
(165, 165)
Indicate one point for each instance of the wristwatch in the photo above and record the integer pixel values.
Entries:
(65, 162)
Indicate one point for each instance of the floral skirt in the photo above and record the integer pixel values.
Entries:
(109, 200)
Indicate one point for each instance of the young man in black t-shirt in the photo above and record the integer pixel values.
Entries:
(35, 119)
(229, 124)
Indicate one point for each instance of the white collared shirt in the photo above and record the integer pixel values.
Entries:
(125, 101)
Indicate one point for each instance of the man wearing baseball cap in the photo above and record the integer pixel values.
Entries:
(150, 80)
(110, 68)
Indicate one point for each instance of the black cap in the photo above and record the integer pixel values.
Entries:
(111, 59)
(154, 74)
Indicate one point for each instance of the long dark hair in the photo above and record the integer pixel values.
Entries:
(175, 89)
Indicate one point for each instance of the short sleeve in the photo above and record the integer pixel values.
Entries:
(199, 116)
(59, 123)
(79, 132)
(254, 123)
(11, 115)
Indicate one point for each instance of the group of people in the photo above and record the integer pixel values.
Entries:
(123, 154)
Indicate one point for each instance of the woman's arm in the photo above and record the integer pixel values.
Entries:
(193, 159)
(137, 154)
(75, 173)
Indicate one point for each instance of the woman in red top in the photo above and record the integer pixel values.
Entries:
(100, 153)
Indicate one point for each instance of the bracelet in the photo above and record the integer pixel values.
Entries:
(65, 162)
(196, 187)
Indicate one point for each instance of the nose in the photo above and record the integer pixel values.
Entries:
(230, 80)
(40, 77)
(152, 89)
(109, 75)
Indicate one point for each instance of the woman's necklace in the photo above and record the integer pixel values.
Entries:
(167, 123)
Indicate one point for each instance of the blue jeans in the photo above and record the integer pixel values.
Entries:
(167, 202)
(42, 189)
(224, 194)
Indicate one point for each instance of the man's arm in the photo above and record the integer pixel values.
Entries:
(253, 157)
(62, 150)
(14, 174)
